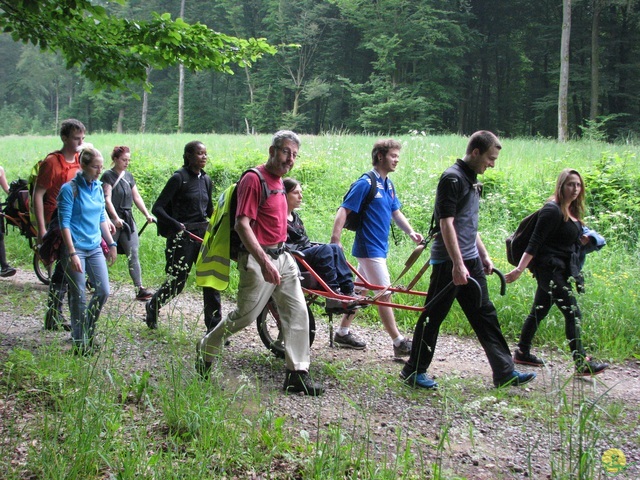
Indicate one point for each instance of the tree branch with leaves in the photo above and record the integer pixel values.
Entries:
(116, 52)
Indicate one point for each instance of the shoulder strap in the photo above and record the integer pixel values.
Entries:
(118, 179)
(373, 189)
(266, 192)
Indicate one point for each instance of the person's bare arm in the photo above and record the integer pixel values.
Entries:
(139, 202)
(111, 210)
(405, 226)
(3, 181)
(38, 208)
(338, 225)
(450, 239)
(487, 263)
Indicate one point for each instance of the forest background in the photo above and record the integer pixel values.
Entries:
(391, 66)
(523, 179)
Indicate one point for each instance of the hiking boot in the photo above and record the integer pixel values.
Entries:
(515, 379)
(143, 294)
(588, 367)
(526, 358)
(202, 368)
(348, 341)
(419, 380)
(300, 381)
(152, 316)
(404, 349)
(7, 272)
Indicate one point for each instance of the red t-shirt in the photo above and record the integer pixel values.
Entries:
(54, 172)
(269, 224)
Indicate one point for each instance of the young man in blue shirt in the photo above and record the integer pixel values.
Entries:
(371, 243)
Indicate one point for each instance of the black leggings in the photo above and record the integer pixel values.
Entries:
(553, 288)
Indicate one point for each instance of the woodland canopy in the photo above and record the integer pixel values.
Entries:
(383, 67)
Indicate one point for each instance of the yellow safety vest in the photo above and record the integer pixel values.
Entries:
(213, 264)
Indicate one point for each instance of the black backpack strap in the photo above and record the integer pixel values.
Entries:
(266, 192)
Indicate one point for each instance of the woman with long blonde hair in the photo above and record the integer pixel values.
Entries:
(553, 257)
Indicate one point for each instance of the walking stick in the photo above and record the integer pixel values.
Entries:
(143, 227)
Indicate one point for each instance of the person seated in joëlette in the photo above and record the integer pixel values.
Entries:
(326, 259)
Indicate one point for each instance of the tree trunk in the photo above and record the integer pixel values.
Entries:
(595, 60)
(181, 83)
(57, 105)
(145, 105)
(120, 119)
(180, 98)
(563, 122)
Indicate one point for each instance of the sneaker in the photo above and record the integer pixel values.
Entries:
(527, 358)
(515, 379)
(404, 349)
(589, 368)
(355, 297)
(419, 380)
(7, 271)
(301, 382)
(202, 368)
(143, 294)
(349, 341)
(152, 316)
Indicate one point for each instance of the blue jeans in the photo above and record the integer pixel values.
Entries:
(83, 317)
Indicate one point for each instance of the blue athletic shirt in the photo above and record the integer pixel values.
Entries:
(372, 238)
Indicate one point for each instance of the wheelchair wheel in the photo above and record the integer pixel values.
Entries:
(268, 324)
(43, 272)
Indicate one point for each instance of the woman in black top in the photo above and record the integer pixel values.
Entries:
(552, 256)
(183, 207)
(327, 259)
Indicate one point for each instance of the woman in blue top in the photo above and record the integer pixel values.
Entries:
(83, 224)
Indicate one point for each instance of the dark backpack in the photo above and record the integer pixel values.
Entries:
(17, 207)
(518, 241)
(354, 219)
(18, 198)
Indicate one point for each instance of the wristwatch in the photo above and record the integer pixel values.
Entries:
(114, 244)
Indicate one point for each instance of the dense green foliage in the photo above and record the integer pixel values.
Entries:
(390, 66)
(137, 409)
(523, 178)
(111, 51)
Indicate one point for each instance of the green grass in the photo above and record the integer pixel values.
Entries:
(109, 417)
(523, 178)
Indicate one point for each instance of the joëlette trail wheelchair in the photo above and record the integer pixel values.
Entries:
(15, 212)
(316, 292)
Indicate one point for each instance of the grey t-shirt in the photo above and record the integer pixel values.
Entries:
(458, 196)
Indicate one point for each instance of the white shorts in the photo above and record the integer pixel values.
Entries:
(374, 270)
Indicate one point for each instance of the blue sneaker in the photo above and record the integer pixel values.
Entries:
(419, 380)
(515, 379)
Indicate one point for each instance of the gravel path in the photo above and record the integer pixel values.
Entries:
(484, 433)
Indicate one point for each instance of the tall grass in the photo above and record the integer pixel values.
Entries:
(524, 177)
(118, 415)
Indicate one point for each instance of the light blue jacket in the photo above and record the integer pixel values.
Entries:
(81, 209)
